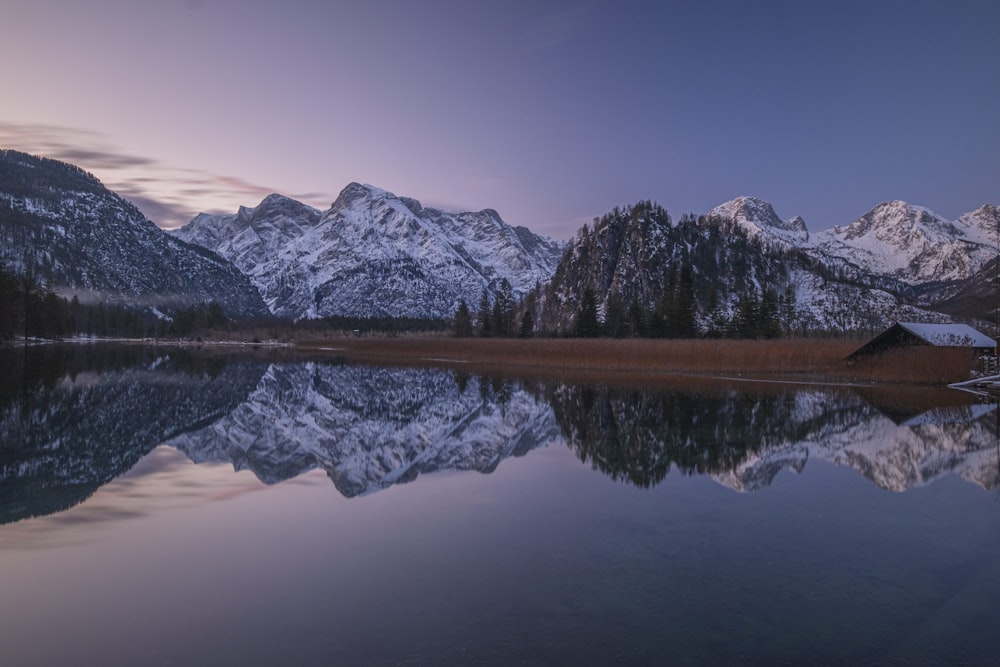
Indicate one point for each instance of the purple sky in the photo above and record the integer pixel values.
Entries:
(550, 112)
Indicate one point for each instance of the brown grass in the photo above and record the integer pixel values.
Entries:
(820, 360)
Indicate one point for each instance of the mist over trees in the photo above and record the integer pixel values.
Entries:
(29, 309)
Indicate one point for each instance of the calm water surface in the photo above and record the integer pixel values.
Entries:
(179, 507)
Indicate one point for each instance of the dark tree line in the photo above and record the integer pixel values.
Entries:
(755, 316)
(361, 325)
(500, 317)
(31, 310)
(27, 309)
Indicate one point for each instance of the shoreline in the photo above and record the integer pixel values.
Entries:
(806, 361)
(785, 361)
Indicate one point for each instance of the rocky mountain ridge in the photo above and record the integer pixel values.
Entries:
(374, 254)
(61, 224)
(896, 262)
(913, 245)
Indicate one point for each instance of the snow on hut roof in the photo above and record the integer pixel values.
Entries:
(949, 335)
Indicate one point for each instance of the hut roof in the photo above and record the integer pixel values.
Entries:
(948, 335)
(917, 333)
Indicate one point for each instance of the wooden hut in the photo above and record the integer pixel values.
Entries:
(904, 334)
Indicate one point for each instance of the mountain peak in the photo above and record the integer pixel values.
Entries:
(895, 217)
(374, 253)
(991, 210)
(756, 216)
(276, 204)
(355, 192)
(911, 244)
(982, 225)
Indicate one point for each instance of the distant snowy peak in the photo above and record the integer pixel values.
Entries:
(982, 225)
(757, 217)
(373, 253)
(900, 223)
(275, 215)
(913, 244)
(356, 193)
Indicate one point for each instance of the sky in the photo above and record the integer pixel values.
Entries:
(551, 112)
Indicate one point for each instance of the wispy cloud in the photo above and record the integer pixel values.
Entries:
(168, 195)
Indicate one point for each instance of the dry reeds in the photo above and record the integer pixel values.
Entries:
(798, 358)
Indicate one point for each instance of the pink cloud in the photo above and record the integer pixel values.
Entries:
(168, 195)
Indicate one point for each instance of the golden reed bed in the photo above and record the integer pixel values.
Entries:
(815, 360)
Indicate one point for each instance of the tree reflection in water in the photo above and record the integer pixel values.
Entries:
(744, 438)
(639, 437)
(73, 418)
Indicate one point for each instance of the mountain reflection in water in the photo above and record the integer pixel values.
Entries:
(743, 438)
(74, 418)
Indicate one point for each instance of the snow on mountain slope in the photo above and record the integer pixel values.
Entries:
(759, 220)
(822, 304)
(373, 254)
(740, 248)
(67, 228)
(981, 226)
(251, 232)
(911, 244)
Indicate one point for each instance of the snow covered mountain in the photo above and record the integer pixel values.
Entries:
(739, 254)
(758, 219)
(370, 428)
(373, 254)
(897, 262)
(913, 245)
(81, 239)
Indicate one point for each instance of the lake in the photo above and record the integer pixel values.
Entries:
(162, 506)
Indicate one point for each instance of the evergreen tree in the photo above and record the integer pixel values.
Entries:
(685, 305)
(656, 323)
(636, 320)
(788, 308)
(586, 325)
(769, 322)
(615, 318)
(503, 321)
(11, 305)
(497, 324)
(527, 325)
(667, 308)
(462, 327)
(747, 324)
(485, 315)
